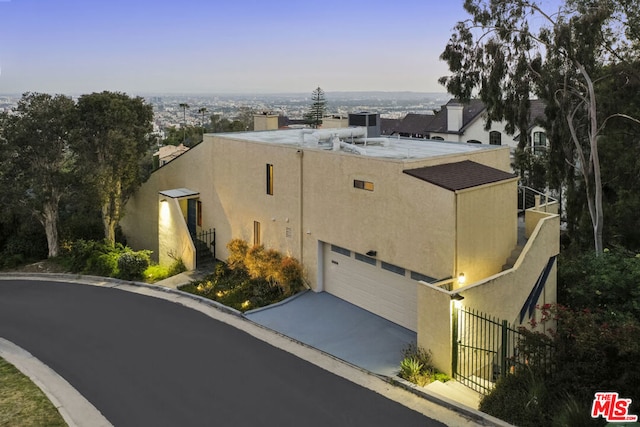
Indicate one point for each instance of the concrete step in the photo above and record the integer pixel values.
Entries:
(457, 392)
(515, 253)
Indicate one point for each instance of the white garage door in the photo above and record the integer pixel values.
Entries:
(371, 284)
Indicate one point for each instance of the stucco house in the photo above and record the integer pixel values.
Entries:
(465, 122)
(389, 224)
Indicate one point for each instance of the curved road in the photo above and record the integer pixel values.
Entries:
(145, 361)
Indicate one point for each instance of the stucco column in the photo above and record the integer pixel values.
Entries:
(434, 325)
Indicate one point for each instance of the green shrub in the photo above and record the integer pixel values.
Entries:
(417, 366)
(131, 265)
(103, 264)
(413, 351)
(520, 398)
(238, 249)
(412, 370)
(155, 273)
(177, 267)
(290, 276)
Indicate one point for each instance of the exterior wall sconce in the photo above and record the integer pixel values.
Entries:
(461, 279)
(457, 297)
(372, 253)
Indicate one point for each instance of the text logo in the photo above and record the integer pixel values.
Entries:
(612, 408)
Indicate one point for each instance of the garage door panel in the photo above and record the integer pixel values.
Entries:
(382, 292)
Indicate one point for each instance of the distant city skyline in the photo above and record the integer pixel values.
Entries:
(199, 46)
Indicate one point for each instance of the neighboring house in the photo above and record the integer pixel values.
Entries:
(167, 153)
(415, 125)
(466, 123)
(387, 224)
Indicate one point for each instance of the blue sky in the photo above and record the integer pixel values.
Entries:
(214, 46)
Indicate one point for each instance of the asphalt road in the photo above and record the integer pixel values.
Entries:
(144, 361)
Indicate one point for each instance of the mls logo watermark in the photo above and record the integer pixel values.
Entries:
(612, 408)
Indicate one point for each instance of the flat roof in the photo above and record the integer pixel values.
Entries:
(386, 147)
(177, 193)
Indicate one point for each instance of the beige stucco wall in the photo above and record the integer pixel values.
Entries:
(265, 122)
(487, 229)
(501, 296)
(408, 222)
(333, 122)
(174, 241)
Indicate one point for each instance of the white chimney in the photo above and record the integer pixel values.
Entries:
(454, 117)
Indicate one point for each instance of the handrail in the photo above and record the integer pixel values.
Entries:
(528, 198)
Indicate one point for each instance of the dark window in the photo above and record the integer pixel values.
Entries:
(437, 138)
(363, 185)
(199, 213)
(270, 179)
(393, 268)
(366, 259)
(539, 142)
(340, 250)
(474, 141)
(495, 138)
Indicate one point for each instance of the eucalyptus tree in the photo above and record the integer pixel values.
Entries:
(114, 142)
(37, 161)
(510, 50)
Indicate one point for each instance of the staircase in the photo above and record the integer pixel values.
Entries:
(515, 253)
(203, 254)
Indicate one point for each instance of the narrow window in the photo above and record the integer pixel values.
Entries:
(495, 138)
(256, 233)
(539, 142)
(363, 185)
(393, 268)
(199, 213)
(366, 259)
(340, 250)
(269, 179)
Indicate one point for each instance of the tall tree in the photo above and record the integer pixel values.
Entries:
(509, 50)
(114, 142)
(317, 109)
(37, 162)
(184, 107)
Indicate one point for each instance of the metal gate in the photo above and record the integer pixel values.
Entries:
(486, 348)
(205, 243)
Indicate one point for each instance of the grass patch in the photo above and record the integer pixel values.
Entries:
(22, 403)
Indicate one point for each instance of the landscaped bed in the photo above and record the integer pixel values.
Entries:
(253, 277)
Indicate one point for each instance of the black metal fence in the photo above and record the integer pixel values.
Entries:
(486, 348)
(205, 243)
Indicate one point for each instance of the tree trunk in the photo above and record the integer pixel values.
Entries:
(598, 220)
(111, 212)
(50, 223)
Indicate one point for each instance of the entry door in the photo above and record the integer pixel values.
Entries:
(192, 215)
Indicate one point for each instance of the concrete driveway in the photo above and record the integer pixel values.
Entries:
(339, 328)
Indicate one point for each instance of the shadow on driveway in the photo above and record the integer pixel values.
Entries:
(339, 328)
